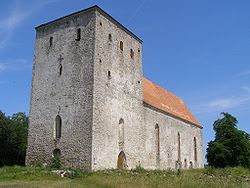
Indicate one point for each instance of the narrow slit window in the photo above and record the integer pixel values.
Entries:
(78, 34)
(50, 41)
(110, 37)
(60, 69)
(109, 75)
(131, 53)
(58, 127)
(121, 45)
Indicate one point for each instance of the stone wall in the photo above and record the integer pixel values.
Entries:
(69, 95)
(169, 127)
(117, 97)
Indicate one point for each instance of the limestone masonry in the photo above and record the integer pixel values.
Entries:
(91, 106)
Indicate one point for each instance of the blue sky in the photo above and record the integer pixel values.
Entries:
(199, 50)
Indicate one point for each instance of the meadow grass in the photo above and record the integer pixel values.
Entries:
(27, 177)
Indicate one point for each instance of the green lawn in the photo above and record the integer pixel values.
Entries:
(38, 177)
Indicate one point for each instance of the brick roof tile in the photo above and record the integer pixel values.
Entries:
(166, 101)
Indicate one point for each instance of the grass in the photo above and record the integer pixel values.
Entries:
(17, 176)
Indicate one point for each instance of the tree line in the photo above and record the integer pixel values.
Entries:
(231, 146)
(13, 138)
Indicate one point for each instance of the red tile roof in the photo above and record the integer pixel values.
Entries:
(166, 101)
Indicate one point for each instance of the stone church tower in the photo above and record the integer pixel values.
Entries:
(91, 106)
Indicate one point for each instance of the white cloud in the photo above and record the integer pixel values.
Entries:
(245, 73)
(16, 16)
(2, 67)
(225, 103)
(245, 88)
(14, 64)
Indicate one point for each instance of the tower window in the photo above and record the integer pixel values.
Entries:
(58, 128)
(60, 69)
(109, 75)
(131, 53)
(100, 23)
(121, 45)
(50, 41)
(110, 37)
(78, 34)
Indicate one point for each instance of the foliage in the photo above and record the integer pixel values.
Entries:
(231, 146)
(13, 138)
(43, 177)
(56, 162)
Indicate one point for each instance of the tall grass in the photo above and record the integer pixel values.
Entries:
(209, 177)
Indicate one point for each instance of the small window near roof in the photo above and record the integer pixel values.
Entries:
(121, 45)
(131, 53)
(78, 34)
(110, 37)
(50, 41)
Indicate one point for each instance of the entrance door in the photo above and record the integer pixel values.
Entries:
(121, 161)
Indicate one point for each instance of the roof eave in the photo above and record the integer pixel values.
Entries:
(173, 115)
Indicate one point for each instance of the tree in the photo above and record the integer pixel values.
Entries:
(231, 146)
(13, 138)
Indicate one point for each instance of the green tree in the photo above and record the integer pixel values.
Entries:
(231, 146)
(13, 138)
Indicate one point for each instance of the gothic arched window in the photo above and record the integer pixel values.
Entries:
(179, 147)
(58, 128)
(195, 149)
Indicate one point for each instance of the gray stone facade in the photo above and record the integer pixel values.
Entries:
(88, 70)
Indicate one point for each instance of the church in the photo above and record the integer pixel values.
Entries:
(92, 107)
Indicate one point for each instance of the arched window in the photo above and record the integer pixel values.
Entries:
(179, 147)
(58, 126)
(131, 53)
(157, 137)
(157, 143)
(195, 149)
(121, 45)
(78, 34)
(121, 134)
